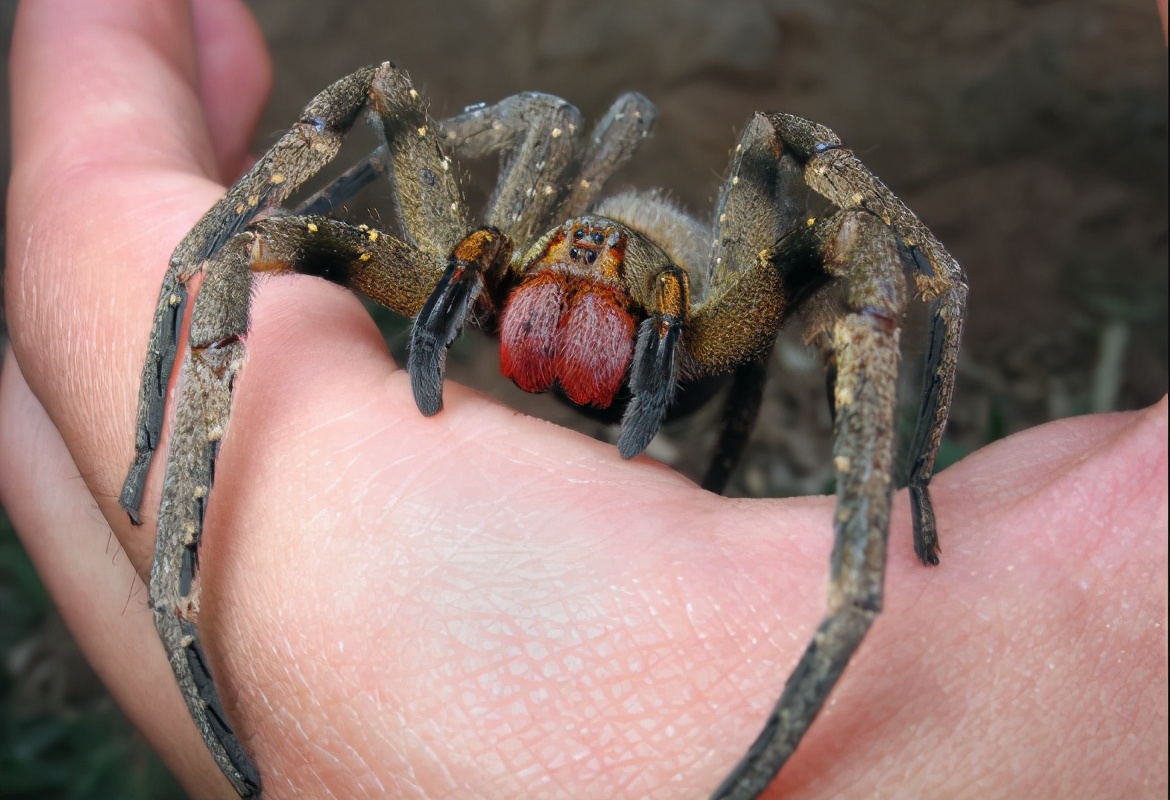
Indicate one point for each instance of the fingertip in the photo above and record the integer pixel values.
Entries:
(235, 77)
(105, 82)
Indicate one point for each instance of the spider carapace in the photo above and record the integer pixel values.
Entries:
(617, 303)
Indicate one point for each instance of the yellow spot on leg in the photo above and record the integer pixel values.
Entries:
(311, 227)
(842, 463)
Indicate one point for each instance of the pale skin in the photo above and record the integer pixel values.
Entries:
(481, 601)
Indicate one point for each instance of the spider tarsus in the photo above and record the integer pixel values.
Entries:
(156, 375)
(805, 692)
(926, 545)
(247, 779)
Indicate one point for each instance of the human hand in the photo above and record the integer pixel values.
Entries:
(484, 601)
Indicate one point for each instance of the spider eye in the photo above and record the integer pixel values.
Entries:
(579, 233)
(597, 237)
(574, 253)
(590, 256)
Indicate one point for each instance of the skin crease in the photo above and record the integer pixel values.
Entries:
(482, 604)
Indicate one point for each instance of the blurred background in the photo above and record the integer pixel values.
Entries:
(1030, 135)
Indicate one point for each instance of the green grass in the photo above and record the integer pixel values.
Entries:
(70, 742)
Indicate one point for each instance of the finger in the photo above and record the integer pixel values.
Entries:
(91, 580)
(128, 85)
(109, 153)
(235, 76)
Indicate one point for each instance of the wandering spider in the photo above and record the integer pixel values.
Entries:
(591, 299)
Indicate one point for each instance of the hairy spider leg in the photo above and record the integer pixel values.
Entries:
(399, 274)
(838, 175)
(755, 206)
(860, 323)
(548, 174)
(218, 321)
(537, 137)
(740, 411)
(359, 258)
(299, 154)
(610, 144)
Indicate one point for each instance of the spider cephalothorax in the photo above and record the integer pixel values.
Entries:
(620, 305)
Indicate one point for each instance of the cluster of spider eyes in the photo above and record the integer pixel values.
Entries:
(590, 255)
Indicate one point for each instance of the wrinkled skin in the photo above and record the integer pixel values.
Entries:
(545, 614)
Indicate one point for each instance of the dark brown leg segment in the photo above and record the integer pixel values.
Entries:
(356, 257)
(837, 174)
(218, 322)
(611, 143)
(739, 417)
(862, 254)
(298, 155)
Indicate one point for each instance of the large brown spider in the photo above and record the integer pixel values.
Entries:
(625, 306)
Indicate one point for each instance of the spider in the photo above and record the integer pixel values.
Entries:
(623, 306)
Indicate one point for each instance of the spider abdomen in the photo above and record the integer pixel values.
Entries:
(570, 330)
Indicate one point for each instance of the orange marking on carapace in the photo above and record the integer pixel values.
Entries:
(585, 246)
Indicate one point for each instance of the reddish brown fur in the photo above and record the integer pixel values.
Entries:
(570, 329)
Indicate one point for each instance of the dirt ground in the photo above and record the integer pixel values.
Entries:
(1030, 135)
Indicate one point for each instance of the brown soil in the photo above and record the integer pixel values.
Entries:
(1030, 136)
